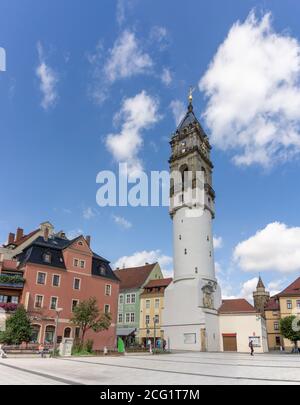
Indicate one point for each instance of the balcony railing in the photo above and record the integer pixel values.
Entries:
(7, 280)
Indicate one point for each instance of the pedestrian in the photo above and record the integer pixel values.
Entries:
(251, 347)
(42, 350)
(2, 353)
(164, 345)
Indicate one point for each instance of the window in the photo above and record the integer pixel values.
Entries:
(276, 326)
(106, 308)
(49, 334)
(102, 270)
(75, 262)
(77, 332)
(3, 298)
(157, 303)
(156, 318)
(74, 304)
(185, 251)
(47, 257)
(179, 237)
(67, 332)
(55, 280)
(80, 243)
(127, 298)
(76, 284)
(255, 340)
(132, 298)
(41, 278)
(121, 299)
(38, 303)
(289, 304)
(120, 318)
(108, 289)
(148, 304)
(14, 299)
(298, 303)
(53, 303)
(82, 264)
(132, 317)
(277, 341)
(147, 319)
(127, 317)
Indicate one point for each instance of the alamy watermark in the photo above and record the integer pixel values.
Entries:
(156, 189)
(2, 60)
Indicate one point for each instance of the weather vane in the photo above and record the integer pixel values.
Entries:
(192, 89)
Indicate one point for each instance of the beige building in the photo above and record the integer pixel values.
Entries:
(151, 306)
(241, 323)
(284, 304)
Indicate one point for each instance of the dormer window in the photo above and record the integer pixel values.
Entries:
(102, 270)
(47, 257)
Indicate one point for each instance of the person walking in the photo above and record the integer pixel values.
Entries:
(251, 348)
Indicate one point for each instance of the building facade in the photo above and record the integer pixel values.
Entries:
(132, 282)
(57, 274)
(241, 323)
(284, 304)
(151, 307)
(190, 316)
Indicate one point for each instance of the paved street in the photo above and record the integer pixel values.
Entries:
(177, 368)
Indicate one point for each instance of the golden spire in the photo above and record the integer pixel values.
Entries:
(191, 94)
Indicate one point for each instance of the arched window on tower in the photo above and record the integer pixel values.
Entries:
(184, 170)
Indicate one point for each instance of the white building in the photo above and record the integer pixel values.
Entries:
(190, 316)
(240, 322)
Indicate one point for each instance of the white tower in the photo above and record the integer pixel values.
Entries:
(190, 316)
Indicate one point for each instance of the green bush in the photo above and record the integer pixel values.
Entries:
(7, 279)
(89, 345)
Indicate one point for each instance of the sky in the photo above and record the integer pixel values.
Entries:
(92, 84)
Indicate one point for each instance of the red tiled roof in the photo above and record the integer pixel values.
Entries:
(292, 289)
(25, 238)
(236, 306)
(272, 304)
(160, 282)
(134, 277)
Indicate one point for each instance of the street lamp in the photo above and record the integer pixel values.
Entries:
(155, 321)
(58, 311)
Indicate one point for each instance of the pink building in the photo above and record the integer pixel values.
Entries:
(58, 273)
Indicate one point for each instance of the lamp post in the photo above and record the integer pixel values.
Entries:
(154, 323)
(58, 311)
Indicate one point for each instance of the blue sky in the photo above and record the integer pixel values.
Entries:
(77, 72)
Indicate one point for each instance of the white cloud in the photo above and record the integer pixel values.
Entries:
(150, 256)
(276, 247)
(74, 233)
(247, 289)
(178, 110)
(138, 113)
(48, 80)
(166, 76)
(253, 90)
(218, 242)
(89, 213)
(126, 58)
(122, 222)
(159, 36)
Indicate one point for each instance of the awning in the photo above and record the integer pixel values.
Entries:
(125, 331)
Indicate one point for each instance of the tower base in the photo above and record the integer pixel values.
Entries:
(187, 325)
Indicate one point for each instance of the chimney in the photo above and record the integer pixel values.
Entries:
(11, 238)
(88, 239)
(20, 233)
(46, 234)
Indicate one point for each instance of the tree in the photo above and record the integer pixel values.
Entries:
(18, 328)
(290, 329)
(87, 316)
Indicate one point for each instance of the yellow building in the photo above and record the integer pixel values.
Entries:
(151, 306)
(284, 304)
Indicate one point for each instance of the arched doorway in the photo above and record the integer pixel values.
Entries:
(35, 333)
(49, 334)
(67, 332)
